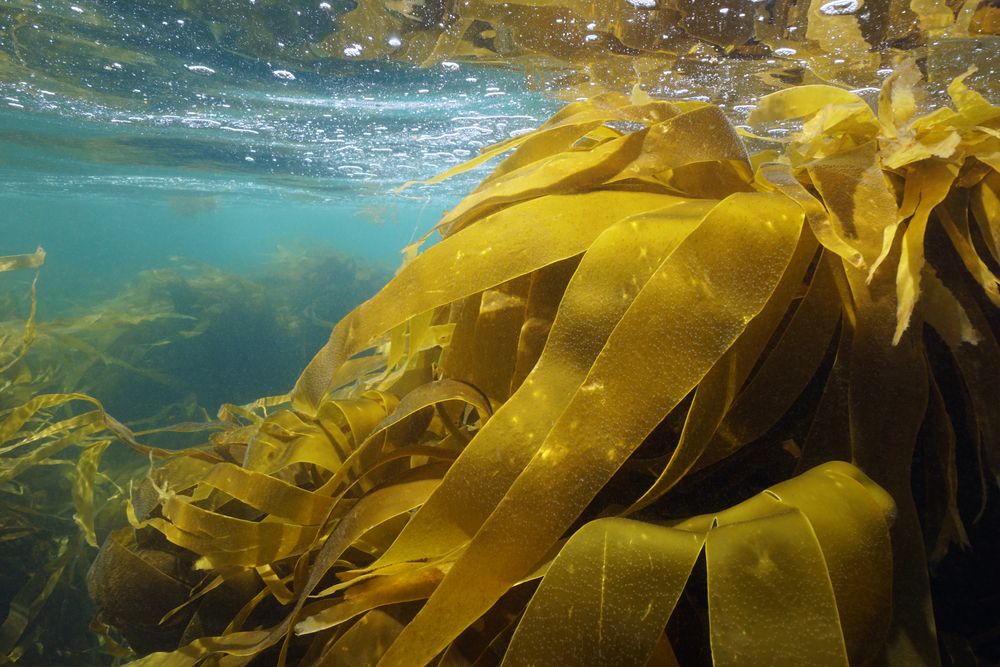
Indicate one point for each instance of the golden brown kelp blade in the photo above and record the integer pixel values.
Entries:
(780, 567)
(592, 437)
(16, 263)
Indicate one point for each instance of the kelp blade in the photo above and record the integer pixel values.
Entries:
(609, 592)
(647, 366)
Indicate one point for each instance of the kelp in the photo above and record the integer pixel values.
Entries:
(40, 532)
(60, 493)
(182, 337)
(650, 400)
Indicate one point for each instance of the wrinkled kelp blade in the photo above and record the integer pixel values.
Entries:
(934, 181)
(617, 265)
(799, 101)
(83, 488)
(780, 176)
(651, 361)
(30, 330)
(385, 501)
(858, 197)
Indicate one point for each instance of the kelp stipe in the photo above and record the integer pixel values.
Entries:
(649, 324)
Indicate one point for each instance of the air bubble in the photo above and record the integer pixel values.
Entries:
(840, 7)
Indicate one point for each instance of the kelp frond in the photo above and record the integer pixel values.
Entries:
(648, 324)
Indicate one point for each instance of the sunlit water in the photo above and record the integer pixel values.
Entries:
(231, 169)
(109, 193)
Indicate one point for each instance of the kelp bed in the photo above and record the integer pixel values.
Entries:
(650, 401)
(170, 344)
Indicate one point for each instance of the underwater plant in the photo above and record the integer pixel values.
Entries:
(139, 354)
(651, 400)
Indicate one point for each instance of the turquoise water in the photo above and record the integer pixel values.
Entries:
(108, 193)
(241, 178)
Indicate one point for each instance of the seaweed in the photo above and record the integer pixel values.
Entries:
(645, 379)
(650, 396)
(61, 489)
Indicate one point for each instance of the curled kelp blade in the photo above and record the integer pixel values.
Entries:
(536, 232)
(847, 156)
(717, 390)
(294, 517)
(382, 440)
(396, 496)
(646, 367)
(801, 572)
(678, 139)
(556, 135)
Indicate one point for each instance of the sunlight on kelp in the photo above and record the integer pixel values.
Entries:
(604, 420)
